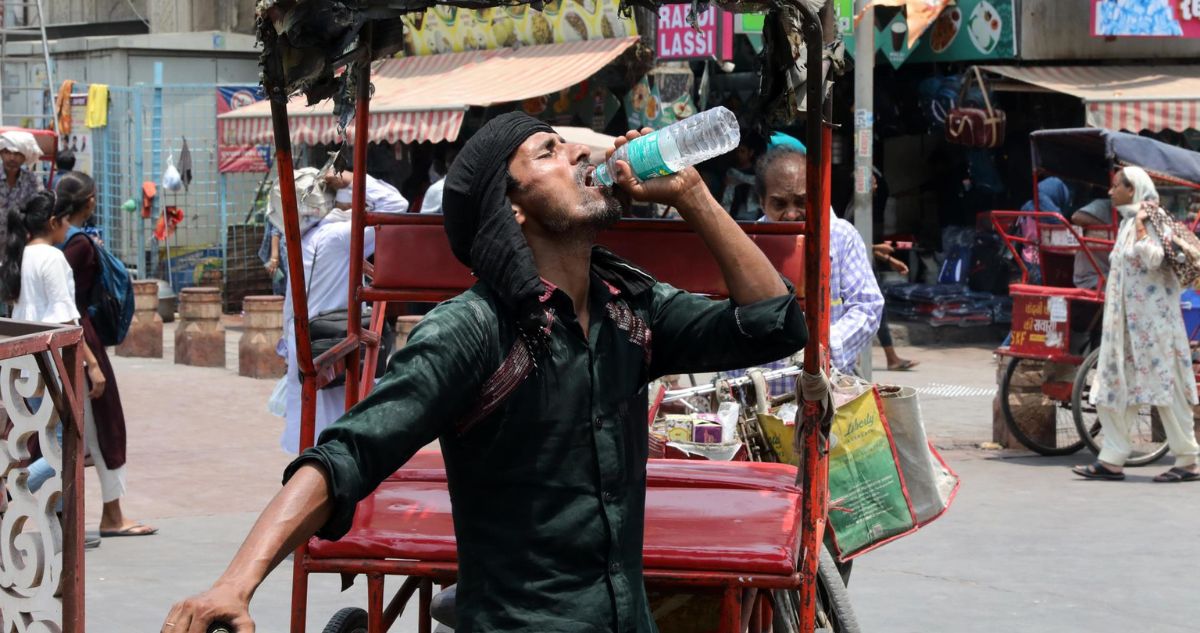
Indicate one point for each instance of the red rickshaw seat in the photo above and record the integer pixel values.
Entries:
(408, 518)
(1081, 294)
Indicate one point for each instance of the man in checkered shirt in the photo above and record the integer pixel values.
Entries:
(856, 304)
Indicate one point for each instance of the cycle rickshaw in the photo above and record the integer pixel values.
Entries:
(404, 528)
(1054, 346)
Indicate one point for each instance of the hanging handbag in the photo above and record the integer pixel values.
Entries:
(331, 327)
(975, 127)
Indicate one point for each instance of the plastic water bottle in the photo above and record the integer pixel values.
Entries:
(679, 145)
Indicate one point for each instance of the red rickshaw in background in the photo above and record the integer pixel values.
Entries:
(1054, 345)
(405, 529)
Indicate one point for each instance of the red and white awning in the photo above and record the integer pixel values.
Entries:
(424, 99)
(1131, 98)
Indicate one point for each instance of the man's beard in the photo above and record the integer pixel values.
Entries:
(597, 214)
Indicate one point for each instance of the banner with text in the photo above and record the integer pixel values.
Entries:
(678, 39)
(446, 29)
(1146, 18)
(240, 158)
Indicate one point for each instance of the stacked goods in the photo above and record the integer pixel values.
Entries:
(946, 304)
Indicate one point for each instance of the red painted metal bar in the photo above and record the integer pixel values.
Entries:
(296, 279)
(424, 621)
(378, 314)
(814, 469)
(375, 603)
(1081, 239)
(358, 206)
(447, 572)
(69, 365)
(626, 224)
(396, 606)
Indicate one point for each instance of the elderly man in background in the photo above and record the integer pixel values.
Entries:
(856, 304)
(20, 153)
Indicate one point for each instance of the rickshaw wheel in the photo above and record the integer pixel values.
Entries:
(1148, 438)
(1027, 411)
(348, 620)
(834, 613)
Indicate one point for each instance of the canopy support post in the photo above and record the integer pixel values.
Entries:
(358, 202)
(814, 465)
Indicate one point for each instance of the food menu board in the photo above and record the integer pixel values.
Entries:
(970, 30)
(447, 29)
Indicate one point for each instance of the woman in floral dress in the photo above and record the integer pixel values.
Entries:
(1144, 353)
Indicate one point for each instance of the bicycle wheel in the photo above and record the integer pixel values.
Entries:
(834, 613)
(1042, 424)
(1147, 436)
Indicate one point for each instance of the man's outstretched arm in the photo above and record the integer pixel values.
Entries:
(294, 515)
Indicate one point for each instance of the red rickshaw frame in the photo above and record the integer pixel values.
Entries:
(812, 477)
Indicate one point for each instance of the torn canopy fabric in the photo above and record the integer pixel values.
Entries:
(306, 42)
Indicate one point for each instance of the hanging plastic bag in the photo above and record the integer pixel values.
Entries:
(930, 481)
(171, 180)
(868, 500)
(313, 200)
(277, 403)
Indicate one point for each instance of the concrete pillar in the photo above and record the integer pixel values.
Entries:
(145, 337)
(200, 338)
(404, 328)
(264, 326)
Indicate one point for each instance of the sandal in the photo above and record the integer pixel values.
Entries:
(1177, 475)
(1098, 471)
(137, 529)
(904, 365)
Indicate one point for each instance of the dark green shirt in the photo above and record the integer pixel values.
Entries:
(548, 492)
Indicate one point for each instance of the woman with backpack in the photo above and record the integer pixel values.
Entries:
(76, 194)
(1144, 354)
(37, 280)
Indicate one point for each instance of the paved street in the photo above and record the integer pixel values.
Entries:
(1026, 547)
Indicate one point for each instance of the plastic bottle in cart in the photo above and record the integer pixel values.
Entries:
(679, 145)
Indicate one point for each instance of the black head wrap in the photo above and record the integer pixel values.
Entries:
(483, 233)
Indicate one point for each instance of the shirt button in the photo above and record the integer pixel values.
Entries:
(608, 497)
(615, 568)
(598, 423)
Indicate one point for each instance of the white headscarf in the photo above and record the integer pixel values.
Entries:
(22, 143)
(1143, 191)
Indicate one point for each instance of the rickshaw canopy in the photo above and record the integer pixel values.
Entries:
(1090, 154)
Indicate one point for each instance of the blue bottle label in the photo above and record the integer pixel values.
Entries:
(645, 158)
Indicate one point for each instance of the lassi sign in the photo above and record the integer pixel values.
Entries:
(711, 37)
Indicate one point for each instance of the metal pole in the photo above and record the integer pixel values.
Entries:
(49, 67)
(156, 149)
(139, 170)
(864, 122)
(358, 205)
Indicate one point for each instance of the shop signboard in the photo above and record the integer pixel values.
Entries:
(712, 36)
(447, 29)
(970, 30)
(1146, 18)
(240, 158)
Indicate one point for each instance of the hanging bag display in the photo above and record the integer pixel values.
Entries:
(975, 127)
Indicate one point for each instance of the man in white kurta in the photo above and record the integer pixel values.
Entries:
(328, 283)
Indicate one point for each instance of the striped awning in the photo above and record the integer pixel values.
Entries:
(1131, 98)
(424, 99)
